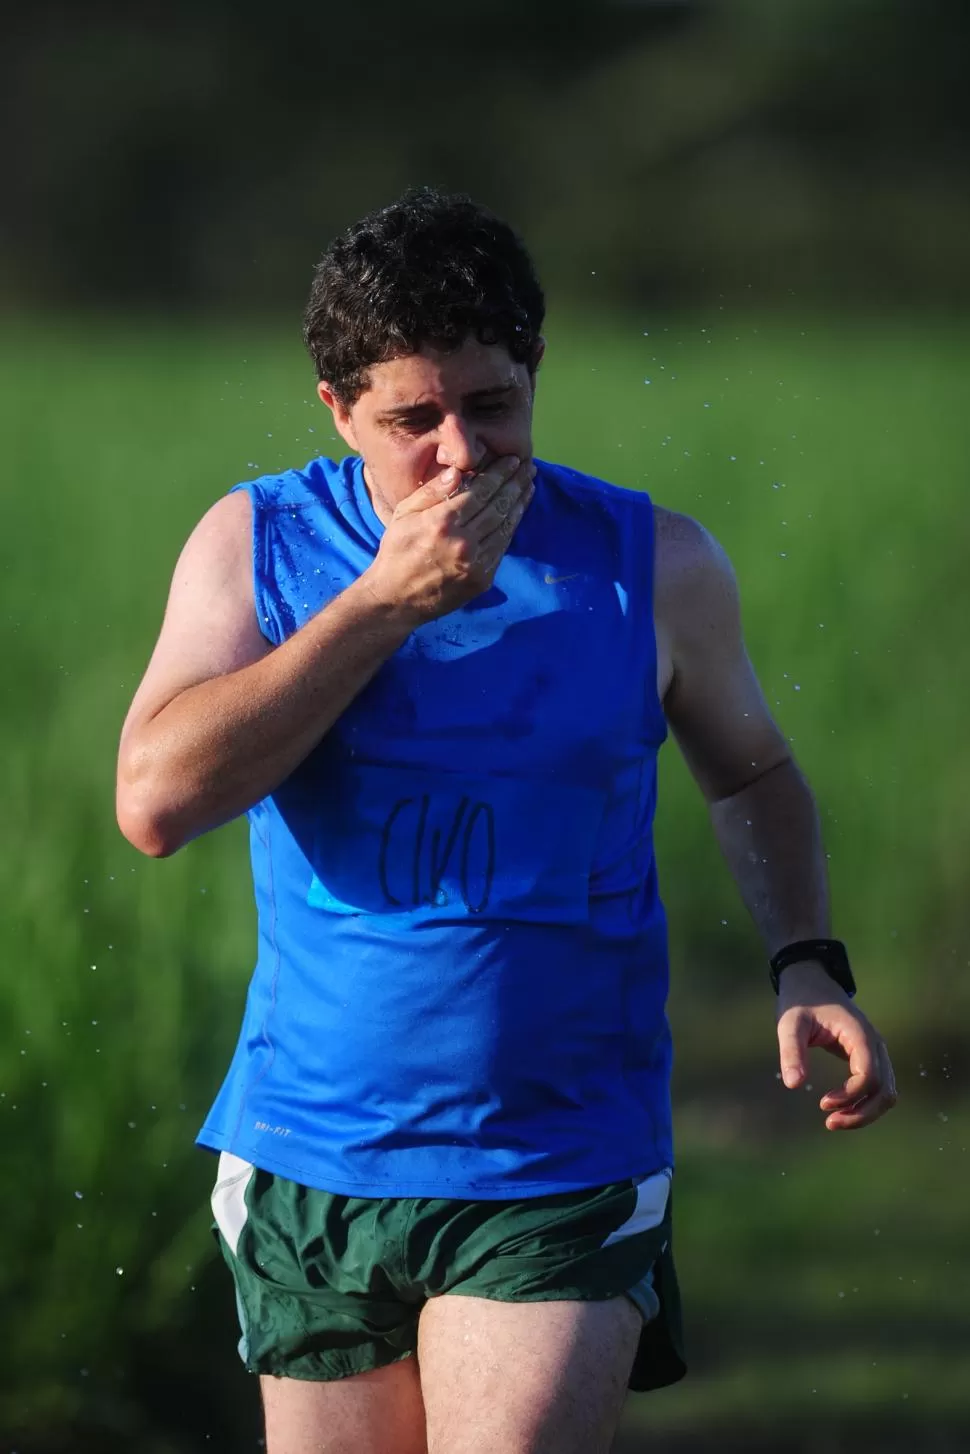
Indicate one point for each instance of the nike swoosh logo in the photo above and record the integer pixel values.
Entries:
(554, 580)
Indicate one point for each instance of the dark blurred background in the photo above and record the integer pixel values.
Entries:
(752, 220)
(189, 156)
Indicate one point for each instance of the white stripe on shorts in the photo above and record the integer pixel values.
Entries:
(651, 1204)
(228, 1199)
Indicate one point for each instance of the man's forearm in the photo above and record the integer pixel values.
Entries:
(224, 744)
(770, 836)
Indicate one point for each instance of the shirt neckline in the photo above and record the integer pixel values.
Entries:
(362, 499)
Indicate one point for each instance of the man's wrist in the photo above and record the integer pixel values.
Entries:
(388, 616)
(827, 955)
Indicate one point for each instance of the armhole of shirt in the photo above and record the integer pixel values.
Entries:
(267, 617)
(647, 572)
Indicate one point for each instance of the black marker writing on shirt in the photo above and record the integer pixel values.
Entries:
(413, 862)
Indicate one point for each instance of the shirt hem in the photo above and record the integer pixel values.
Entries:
(506, 1189)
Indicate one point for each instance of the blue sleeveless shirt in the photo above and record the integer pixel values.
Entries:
(462, 964)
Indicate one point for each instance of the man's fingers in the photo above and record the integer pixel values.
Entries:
(478, 492)
(496, 542)
(870, 1088)
(853, 1118)
(890, 1074)
(434, 492)
(484, 498)
(511, 498)
(793, 1033)
(865, 1072)
(853, 1115)
(470, 491)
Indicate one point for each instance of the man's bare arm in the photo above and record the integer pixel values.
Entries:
(222, 717)
(761, 808)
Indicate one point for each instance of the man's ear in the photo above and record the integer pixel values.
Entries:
(341, 414)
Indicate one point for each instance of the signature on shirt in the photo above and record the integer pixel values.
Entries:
(419, 844)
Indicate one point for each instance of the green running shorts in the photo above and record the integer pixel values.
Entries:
(329, 1285)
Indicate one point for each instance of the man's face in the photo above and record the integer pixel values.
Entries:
(426, 411)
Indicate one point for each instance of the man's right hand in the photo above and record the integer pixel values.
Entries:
(443, 544)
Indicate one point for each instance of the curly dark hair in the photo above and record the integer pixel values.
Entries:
(431, 268)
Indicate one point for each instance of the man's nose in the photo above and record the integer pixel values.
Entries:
(459, 445)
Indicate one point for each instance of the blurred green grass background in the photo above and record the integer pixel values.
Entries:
(825, 1279)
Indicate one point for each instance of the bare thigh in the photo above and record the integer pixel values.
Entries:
(525, 1378)
(368, 1413)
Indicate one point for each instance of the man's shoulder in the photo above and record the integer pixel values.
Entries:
(686, 555)
(684, 546)
(692, 572)
(297, 486)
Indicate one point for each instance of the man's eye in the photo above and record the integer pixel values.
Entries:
(491, 408)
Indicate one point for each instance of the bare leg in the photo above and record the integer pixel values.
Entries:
(369, 1413)
(525, 1378)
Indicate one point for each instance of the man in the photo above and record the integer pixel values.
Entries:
(436, 675)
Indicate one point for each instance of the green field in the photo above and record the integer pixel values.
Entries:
(825, 1278)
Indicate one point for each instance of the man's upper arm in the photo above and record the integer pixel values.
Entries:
(714, 704)
(210, 626)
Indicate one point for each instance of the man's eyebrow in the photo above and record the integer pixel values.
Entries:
(505, 388)
(406, 411)
(402, 411)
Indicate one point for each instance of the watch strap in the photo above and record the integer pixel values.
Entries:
(830, 953)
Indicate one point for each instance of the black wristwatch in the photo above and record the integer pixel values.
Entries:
(830, 953)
